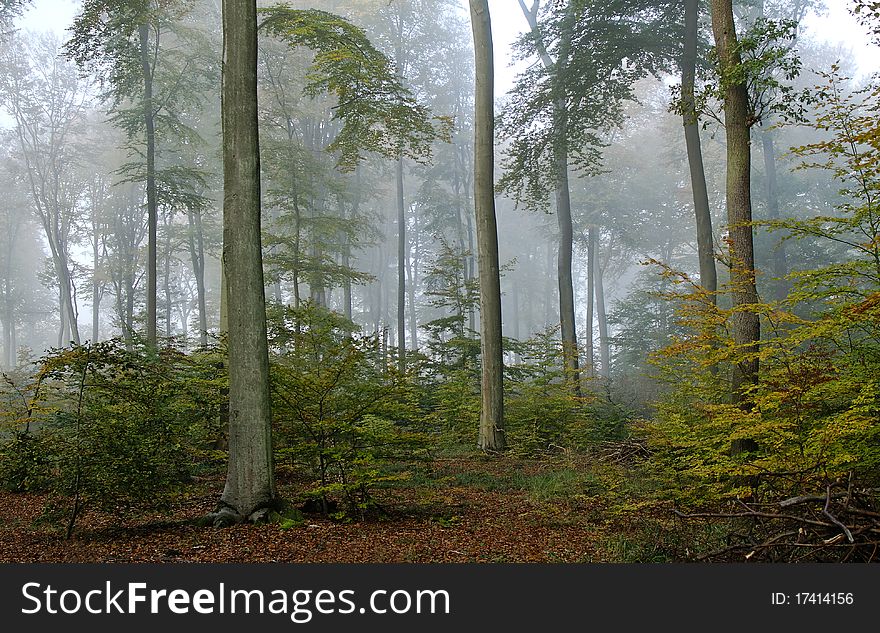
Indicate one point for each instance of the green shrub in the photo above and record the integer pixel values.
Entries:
(542, 414)
(337, 408)
(24, 463)
(110, 427)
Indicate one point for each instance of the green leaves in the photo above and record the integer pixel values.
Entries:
(379, 115)
(114, 428)
(815, 416)
(598, 50)
(769, 63)
(337, 408)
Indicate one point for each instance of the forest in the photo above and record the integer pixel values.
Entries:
(299, 282)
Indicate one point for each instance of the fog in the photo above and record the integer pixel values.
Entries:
(74, 209)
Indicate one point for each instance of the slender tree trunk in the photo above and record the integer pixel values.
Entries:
(346, 284)
(62, 322)
(8, 346)
(780, 256)
(491, 436)
(469, 268)
(401, 269)
(250, 484)
(13, 345)
(552, 290)
(745, 324)
(96, 286)
(563, 271)
(459, 207)
(412, 268)
(9, 359)
(591, 295)
(602, 319)
(378, 289)
(515, 316)
(563, 195)
(197, 256)
(705, 247)
(152, 203)
(346, 250)
(69, 327)
(166, 276)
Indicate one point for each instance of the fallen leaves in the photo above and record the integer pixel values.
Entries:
(458, 523)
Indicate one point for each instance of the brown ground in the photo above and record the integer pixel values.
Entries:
(462, 512)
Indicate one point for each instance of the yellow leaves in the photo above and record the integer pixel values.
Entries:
(869, 308)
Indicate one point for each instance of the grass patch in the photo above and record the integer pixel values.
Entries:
(563, 484)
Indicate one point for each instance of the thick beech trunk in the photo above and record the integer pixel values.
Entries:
(745, 324)
(491, 435)
(250, 485)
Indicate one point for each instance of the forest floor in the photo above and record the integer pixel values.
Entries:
(458, 509)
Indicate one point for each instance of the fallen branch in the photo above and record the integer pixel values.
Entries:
(793, 501)
(840, 525)
(836, 521)
(752, 514)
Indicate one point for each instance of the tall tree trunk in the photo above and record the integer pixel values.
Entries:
(563, 271)
(515, 316)
(346, 283)
(563, 194)
(459, 206)
(469, 269)
(780, 256)
(69, 327)
(549, 298)
(62, 322)
(705, 247)
(346, 249)
(401, 269)
(745, 324)
(96, 286)
(197, 256)
(491, 436)
(411, 274)
(152, 203)
(591, 297)
(602, 318)
(8, 347)
(250, 483)
(9, 360)
(166, 275)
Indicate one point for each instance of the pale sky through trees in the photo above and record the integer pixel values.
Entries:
(838, 27)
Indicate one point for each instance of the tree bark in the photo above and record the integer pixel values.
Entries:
(346, 250)
(166, 274)
(591, 300)
(491, 435)
(745, 324)
(250, 484)
(780, 256)
(401, 270)
(563, 197)
(412, 271)
(705, 247)
(197, 256)
(96, 263)
(152, 203)
(601, 318)
(470, 266)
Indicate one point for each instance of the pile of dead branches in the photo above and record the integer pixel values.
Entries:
(841, 524)
(626, 452)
